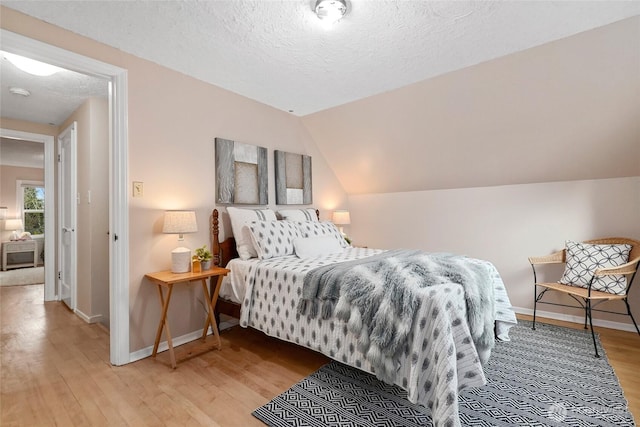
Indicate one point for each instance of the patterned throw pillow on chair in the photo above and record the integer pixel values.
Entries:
(583, 259)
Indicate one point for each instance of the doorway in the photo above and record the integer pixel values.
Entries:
(49, 200)
(118, 177)
(67, 210)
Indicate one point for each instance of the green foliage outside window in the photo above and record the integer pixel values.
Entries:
(33, 210)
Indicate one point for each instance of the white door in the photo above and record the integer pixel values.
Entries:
(67, 207)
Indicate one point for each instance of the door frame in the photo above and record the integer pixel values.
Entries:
(118, 174)
(48, 141)
(72, 187)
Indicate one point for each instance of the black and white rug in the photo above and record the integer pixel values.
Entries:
(546, 377)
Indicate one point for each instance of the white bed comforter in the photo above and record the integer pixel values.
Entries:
(440, 359)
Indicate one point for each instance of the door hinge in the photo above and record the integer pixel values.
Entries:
(115, 237)
(59, 275)
(59, 158)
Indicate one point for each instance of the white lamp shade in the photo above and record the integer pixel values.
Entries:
(341, 217)
(13, 224)
(179, 222)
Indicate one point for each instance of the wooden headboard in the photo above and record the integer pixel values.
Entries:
(223, 252)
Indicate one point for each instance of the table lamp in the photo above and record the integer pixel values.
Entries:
(341, 218)
(180, 222)
(13, 225)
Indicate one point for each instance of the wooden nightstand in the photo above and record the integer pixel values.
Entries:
(17, 246)
(166, 279)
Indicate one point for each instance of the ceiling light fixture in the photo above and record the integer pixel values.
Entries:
(19, 91)
(331, 10)
(31, 66)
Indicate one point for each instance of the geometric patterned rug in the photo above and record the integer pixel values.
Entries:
(546, 377)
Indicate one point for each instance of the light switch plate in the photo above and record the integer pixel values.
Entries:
(138, 188)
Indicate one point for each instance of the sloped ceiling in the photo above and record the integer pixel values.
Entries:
(568, 110)
(411, 95)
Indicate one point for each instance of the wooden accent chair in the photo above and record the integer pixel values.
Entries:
(587, 297)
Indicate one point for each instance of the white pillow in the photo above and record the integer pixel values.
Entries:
(309, 247)
(240, 218)
(584, 259)
(325, 228)
(274, 239)
(299, 215)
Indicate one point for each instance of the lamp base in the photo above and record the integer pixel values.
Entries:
(181, 260)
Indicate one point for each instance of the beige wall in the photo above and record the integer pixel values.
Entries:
(503, 224)
(100, 208)
(508, 130)
(173, 121)
(502, 160)
(563, 111)
(8, 177)
(172, 134)
(30, 127)
(92, 119)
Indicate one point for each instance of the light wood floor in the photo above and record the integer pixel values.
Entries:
(54, 370)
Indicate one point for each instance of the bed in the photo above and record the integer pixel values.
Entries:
(439, 345)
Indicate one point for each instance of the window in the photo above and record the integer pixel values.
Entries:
(32, 203)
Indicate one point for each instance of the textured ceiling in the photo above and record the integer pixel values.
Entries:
(52, 98)
(277, 52)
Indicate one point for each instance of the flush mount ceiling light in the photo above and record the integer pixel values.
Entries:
(19, 91)
(31, 66)
(331, 10)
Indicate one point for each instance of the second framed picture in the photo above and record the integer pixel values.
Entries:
(293, 178)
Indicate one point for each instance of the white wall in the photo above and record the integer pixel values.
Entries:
(504, 224)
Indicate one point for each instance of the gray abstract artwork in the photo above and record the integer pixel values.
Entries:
(241, 173)
(293, 179)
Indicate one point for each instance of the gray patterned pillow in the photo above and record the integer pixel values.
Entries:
(240, 219)
(298, 215)
(274, 239)
(583, 259)
(325, 228)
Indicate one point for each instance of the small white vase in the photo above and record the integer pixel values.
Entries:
(206, 265)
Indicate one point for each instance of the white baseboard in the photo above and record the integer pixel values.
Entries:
(576, 319)
(88, 319)
(192, 336)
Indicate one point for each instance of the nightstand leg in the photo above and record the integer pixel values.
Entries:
(211, 320)
(164, 324)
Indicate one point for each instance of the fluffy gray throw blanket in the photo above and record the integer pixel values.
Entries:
(378, 297)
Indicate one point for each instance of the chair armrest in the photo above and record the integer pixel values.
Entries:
(554, 258)
(628, 268)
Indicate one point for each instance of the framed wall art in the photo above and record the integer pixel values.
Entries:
(293, 178)
(241, 173)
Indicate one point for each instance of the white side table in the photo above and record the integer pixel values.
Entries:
(16, 246)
